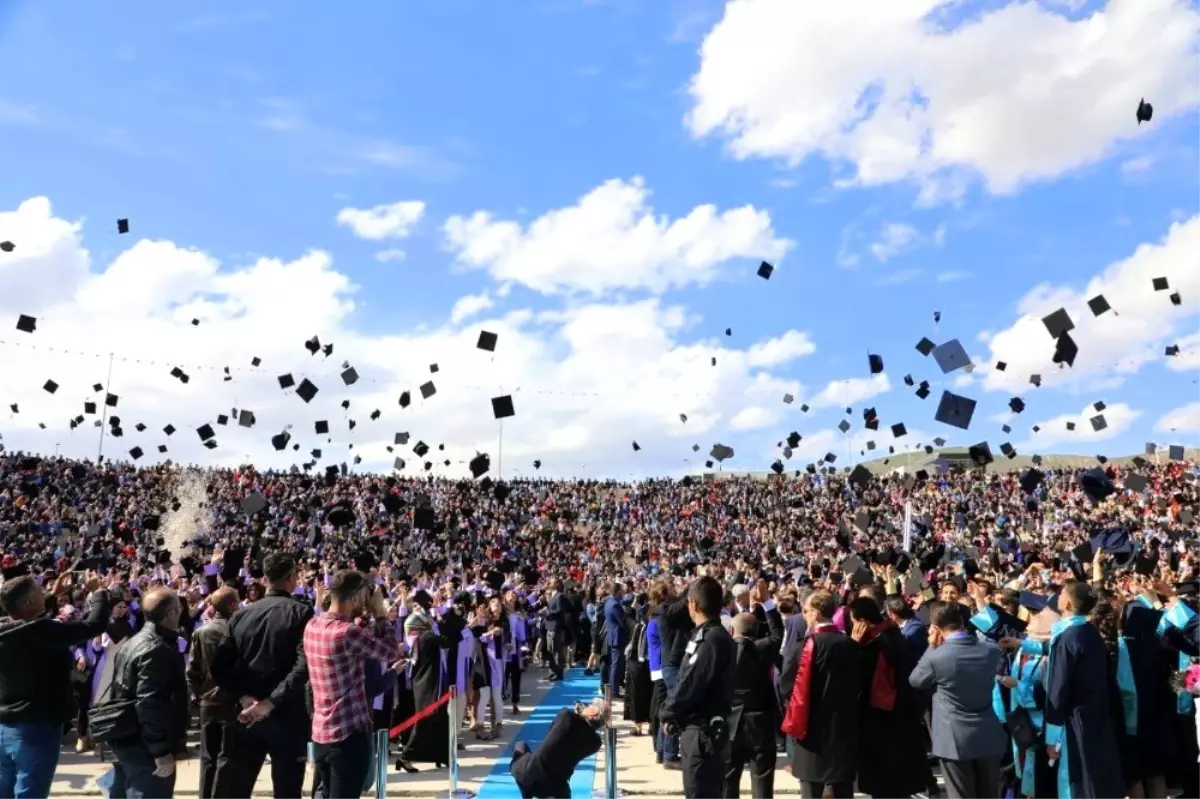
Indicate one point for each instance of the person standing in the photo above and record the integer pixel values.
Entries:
(555, 625)
(821, 719)
(755, 714)
(218, 710)
(261, 662)
(517, 640)
(617, 634)
(36, 696)
(336, 645)
(961, 671)
(674, 629)
(700, 708)
(149, 670)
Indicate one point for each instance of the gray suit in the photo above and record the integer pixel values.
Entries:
(967, 736)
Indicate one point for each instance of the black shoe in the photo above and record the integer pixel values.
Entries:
(672, 765)
(404, 765)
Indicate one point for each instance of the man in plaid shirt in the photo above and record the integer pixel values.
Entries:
(337, 644)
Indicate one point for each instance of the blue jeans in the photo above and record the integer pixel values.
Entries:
(670, 743)
(28, 758)
(133, 774)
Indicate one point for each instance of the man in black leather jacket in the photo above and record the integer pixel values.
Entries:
(148, 668)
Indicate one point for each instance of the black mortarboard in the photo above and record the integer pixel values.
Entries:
(951, 356)
(428, 390)
(980, 454)
(955, 410)
(211, 443)
(720, 452)
(315, 453)
(777, 466)
(1145, 111)
(205, 432)
(405, 399)
(313, 345)
(420, 449)
(1031, 479)
(537, 464)
(328, 350)
(50, 386)
(480, 464)
(1096, 484)
(925, 346)
(26, 324)
(804, 408)
(908, 380)
(222, 419)
(306, 390)
(375, 414)
(1065, 350)
(111, 400)
(860, 476)
(1175, 452)
(162, 447)
(255, 361)
(502, 407)
(1036, 380)
(1098, 423)
(401, 438)
(280, 440)
(1006, 428)
(89, 407)
(1098, 304)
(253, 503)
(875, 362)
(1135, 482)
(765, 270)
(350, 377)
(844, 426)
(899, 430)
(636, 447)
(1070, 426)
(793, 439)
(246, 419)
(487, 341)
(708, 464)
(321, 428)
(1058, 322)
(1001, 366)
(122, 226)
(1160, 284)
(1176, 299)
(286, 381)
(7, 246)
(922, 392)
(135, 453)
(139, 427)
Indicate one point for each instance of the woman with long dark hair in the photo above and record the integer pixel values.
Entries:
(637, 670)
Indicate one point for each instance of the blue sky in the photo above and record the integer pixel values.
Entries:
(242, 129)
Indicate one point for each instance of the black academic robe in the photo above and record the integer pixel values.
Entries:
(1077, 700)
(638, 688)
(1148, 753)
(828, 750)
(1182, 770)
(429, 741)
(891, 748)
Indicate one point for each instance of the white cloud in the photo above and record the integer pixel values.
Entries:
(900, 277)
(953, 276)
(898, 93)
(1137, 333)
(390, 256)
(1184, 419)
(469, 306)
(1054, 433)
(894, 239)
(754, 417)
(390, 221)
(1188, 359)
(847, 393)
(612, 239)
(1137, 165)
(587, 379)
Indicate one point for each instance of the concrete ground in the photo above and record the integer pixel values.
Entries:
(483, 766)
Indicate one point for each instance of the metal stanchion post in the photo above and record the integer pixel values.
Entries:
(610, 790)
(381, 764)
(454, 792)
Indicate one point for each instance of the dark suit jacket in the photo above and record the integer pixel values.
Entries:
(755, 714)
(614, 623)
(795, 629)
(554, 614)
(550, 766)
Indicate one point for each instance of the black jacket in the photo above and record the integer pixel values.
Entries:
(569, 740)
(205, 643)
(674, 628)
(263, 655)
(755, 707)
(36, 664)
(148, 668)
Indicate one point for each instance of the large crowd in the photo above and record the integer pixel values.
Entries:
(549, 560)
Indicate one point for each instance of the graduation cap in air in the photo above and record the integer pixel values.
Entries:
(1031, 479)
(350, 376)
(122, 226)
(313, 345)
(793, 439)
(951, 356)
(139, 427)
(1160, 284)
(955, 410)
(246, 419)
(1036, 380)
(487, 341)
(925, 346)
(428, 390)
(7, 246)
(860, 476)
(211, 443)
(50, 386)
(480, 464)
(1116, 542)
(1058, 322)
(375, 414)
(1145, 111)
(844, 426)
(401, 439)
(169, 429)
(1065, 350)
(286, 381)
(1096, 484)
(765, 270)
(255, 361)
(804, 408)
(135, 453)
(253, 503)
(405, 399)
(923, 390)
(1098, 304)
(89, 407)
(1098, 423)
(1175, 452)
(980, 454)
(162, 448)
(1135, 482)
(26, 324)
(1006, 428)
(321, 428)
(537, 464)
(502, 407)
(328, 350)
(875, 362)
(788, 399)
(899, 430)
(636, 447)
(205, 432)
(1071, 426)
(721, 453)
(1176, 299)
(306, 390)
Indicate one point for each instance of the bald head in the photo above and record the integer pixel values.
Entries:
(224, 600)
(161, 608)
(744, 625)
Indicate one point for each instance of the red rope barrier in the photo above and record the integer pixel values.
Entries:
(418, 716)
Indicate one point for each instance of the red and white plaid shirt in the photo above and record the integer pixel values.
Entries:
(336, 649)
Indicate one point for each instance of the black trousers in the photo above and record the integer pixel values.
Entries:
(213, 722)
(972, 778)
(554, 653)
(283, 737)
(760, 757)
(702, 763)
(342, 767)
(837, 790)
(530, 787)
(512, 676)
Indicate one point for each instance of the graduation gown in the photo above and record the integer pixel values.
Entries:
(638, 688)
(1145, 708)
(1078, 713)
(429, 739)
(891, 748)
(822, 715)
